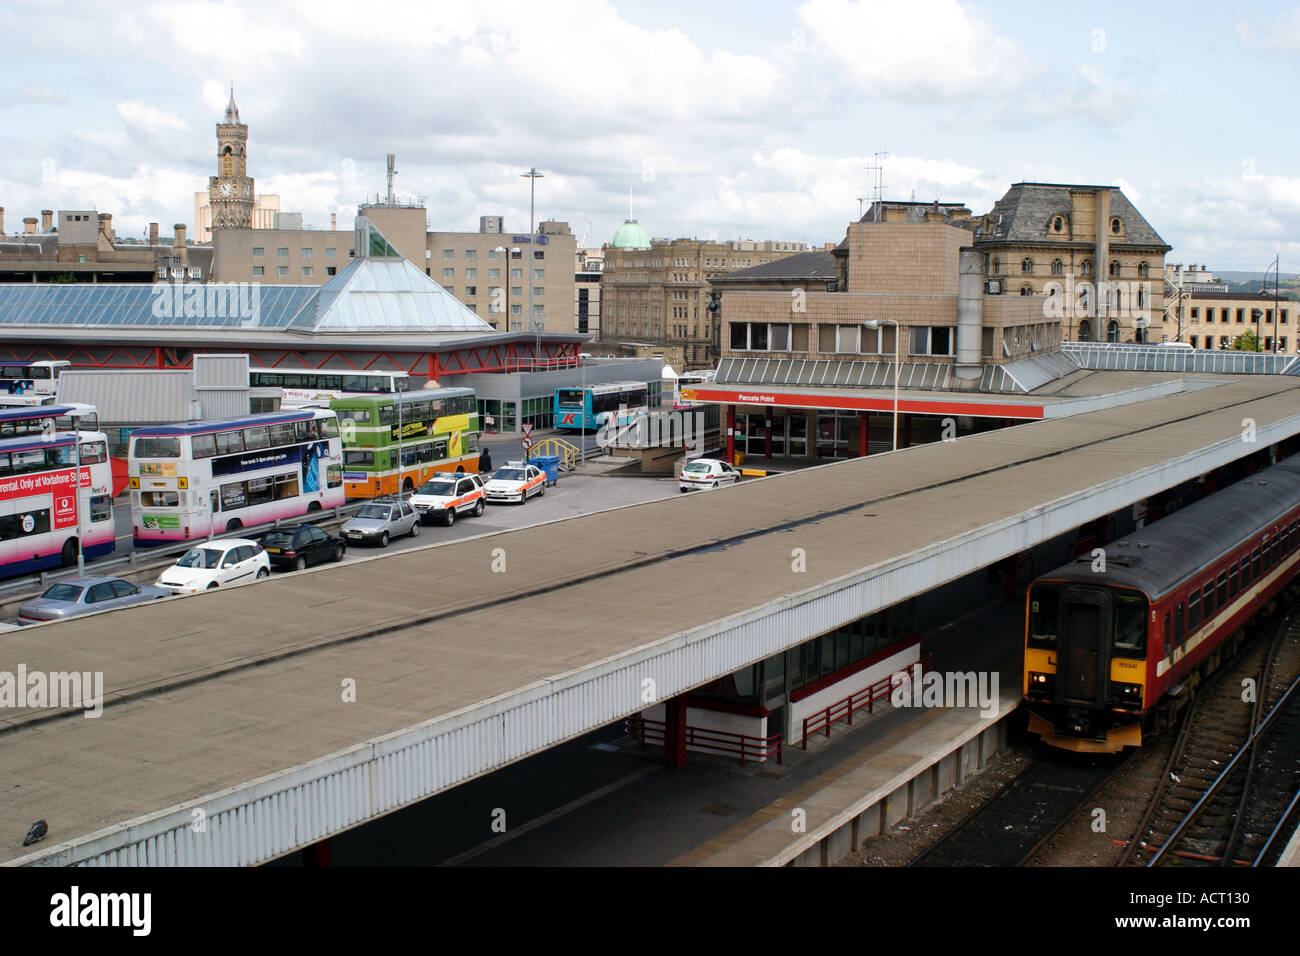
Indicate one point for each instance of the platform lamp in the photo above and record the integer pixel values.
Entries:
(898, 365)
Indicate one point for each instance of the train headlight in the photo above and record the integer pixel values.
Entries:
(1040, 684)
(1126, 695)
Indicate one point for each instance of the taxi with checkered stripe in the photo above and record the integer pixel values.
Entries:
(448, 494)
(516, 481)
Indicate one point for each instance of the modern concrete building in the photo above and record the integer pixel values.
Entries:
(587, 270)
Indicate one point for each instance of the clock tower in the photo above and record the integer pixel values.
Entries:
(230, 192)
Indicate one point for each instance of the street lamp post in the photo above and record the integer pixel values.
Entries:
(532, 176)
(1263, 290)
(898, 338)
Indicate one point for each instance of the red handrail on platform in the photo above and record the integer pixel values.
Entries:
(701, 738)
(846, 708)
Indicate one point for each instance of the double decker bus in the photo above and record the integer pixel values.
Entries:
(685, 384)
(47, 509)
(434, 430)
(190, 480)
(301, 388)
(591, 406)
(30, 383)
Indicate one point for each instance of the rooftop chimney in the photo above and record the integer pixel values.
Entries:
(178, 242)
(47, 220)
(106, 225)
(334, 220)
(153, 233)
(29, 225)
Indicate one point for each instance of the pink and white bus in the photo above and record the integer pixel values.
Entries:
(197, 478)
(45, 512)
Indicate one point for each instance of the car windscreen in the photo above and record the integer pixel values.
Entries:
(373, 511)
(441, 488)
(62, 592)
(509, 474)
(200, 558)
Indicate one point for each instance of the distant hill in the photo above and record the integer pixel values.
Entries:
(1235, 277)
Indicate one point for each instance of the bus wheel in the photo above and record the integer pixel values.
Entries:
(407, 486)
(69, 556)
(313, 506)
(234, 525)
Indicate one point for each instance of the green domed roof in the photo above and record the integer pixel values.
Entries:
(631, 235)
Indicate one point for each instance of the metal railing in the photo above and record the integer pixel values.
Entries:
(1115, 356)
(864, 699)
(744, 746)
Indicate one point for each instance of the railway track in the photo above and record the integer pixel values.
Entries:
(1026, 813)
(1231, 776)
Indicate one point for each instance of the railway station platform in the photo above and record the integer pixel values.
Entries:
(473, 654)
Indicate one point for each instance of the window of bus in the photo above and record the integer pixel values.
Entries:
(363, 458)
(24, 525)
(257, 438)
(230, 443)
(156, 447)
(358, 416)
(94, 452)
(101, 508)
(160, 499)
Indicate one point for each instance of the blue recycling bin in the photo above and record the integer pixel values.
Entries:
(549, 464)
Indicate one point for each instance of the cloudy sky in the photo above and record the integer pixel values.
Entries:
(753, 119)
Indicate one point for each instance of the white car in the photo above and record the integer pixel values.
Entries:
(447, 494)
(216, 564)
(516, 482)
(707, 473)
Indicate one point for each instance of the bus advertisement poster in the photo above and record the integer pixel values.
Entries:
(249, 461)
(56, 483)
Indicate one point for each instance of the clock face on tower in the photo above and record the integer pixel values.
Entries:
(226, 190)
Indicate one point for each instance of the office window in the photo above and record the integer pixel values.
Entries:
(494, 273)
(282, 270)
(516, 290)
(282, 252)
(449, 273)
(494, 253)
(259, 252)
(471, 273)
(1195, 314)
(516, 254)
(334, 270)
(516, 273)
(449, 253)
(471, 290)
(306, 272)
(516, 309)
(331, 253)
(539, 254)
(259, 270)
(538, 291)
(539, 273)
(471, 253)
(306, 253)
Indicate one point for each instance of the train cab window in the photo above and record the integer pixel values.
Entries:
(1222, 585)
(1207, 600)
(1130, 625)
(1179, 628)
(1044, 615)
(1234, 581)
(1193, 610)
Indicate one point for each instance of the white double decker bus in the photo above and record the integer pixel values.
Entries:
(47, 512)
(273, 389)
(30, 383)
(200, 478)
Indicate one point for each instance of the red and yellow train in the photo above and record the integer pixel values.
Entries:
(1109, 647)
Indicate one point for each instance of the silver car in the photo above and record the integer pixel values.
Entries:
(73, 596)
(378, 521)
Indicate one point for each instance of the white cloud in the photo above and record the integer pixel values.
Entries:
(150, 120)
(1282, 35)
(921, 50)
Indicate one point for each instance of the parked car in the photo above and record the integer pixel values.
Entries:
(516, 482)
(379, 521)
(707, 473)
(298, 547)
(214, 564)
(448, 494)
(73, 596)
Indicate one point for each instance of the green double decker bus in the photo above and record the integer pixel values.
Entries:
(432, 430)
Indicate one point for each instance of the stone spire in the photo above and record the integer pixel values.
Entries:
(232, 111)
